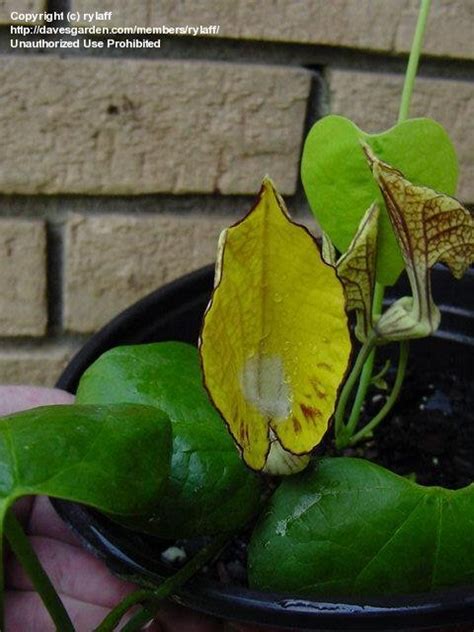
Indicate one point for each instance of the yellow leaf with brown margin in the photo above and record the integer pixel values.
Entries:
(275, 342)
(356, 269)
(430, 227)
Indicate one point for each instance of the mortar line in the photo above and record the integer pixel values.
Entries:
(54, 276)
(314, 111)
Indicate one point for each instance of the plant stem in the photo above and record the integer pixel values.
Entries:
(364, 353)
(343, 437)
(153, 598)
(113, 618)
(415, 52)
(387, 407)
(367, 370)
(359, 399)
(138, 621)
(25, 554)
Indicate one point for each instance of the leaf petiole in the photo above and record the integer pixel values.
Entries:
(367, 370)
(413, 61)
(113, 618)
(364, 354)
(152, 599)
(25, 554)
(387, 407)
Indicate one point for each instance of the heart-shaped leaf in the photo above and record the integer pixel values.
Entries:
(353, 528)
(340, 187)
(209, 489)
(114, 458)
(275, 341)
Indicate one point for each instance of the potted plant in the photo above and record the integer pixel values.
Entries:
(335, 541)
(179, 308)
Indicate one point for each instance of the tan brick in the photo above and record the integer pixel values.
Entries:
(40, 367)
(121, 126)
(371, 101)
(384, 25)
(21, 6)
(112, 261)
(23, 277)
(449, 32)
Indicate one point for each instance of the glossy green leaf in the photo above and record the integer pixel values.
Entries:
(351, 527)
(210, 489)
(340, 186)
(114, 458)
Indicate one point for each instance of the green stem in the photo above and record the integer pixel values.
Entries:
(138, 621)
(359, 399)
(377, 301)
(415, 52)
(113, 618)
(343, 437)
(25, 554)
(367, 370)
(364, 353)
(153, 598)
(387, 407)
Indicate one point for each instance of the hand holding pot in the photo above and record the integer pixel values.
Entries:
(84, 583)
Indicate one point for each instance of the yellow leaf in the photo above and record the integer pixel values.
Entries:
(430, 227)
(275, 342)
(356, 269)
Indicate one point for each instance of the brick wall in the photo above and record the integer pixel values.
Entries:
(119, 167)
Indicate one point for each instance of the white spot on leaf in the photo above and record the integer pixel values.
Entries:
(264, 386)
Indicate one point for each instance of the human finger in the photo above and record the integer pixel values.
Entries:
(25, 611)
(73, 572)
(16, 398)
(44, 521)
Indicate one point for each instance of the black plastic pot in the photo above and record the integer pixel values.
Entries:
(174, 312)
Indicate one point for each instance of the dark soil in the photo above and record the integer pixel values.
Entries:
(430, 433)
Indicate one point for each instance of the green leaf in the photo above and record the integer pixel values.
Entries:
(209, 489)
(353, 528)
(114, 458)
(340, 187)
